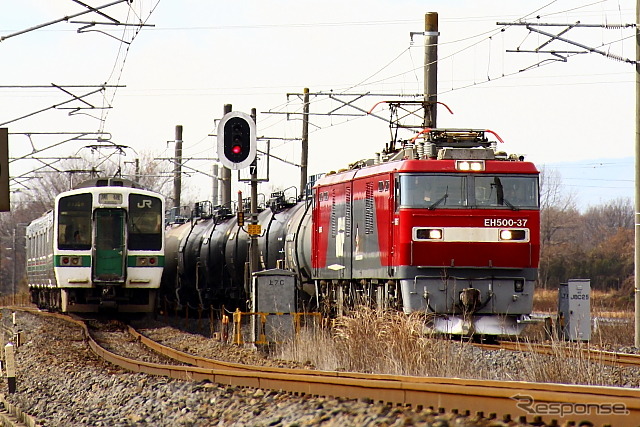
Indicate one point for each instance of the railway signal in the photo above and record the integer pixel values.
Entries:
(236, 140)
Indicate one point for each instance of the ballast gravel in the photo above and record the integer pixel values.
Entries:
(61, 382)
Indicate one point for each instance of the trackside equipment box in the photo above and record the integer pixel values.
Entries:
(574, 310)
(273, 292)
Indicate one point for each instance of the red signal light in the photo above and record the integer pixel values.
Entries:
(236, 149)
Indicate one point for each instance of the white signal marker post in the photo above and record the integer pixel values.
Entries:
(10, 360)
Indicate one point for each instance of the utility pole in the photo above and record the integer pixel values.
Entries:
(304, 156)
(215, 189)
(13, 272)
(430, 69)
(637, 185)
(253, 243)
(177, 169)
(137, 170)
(225, 173)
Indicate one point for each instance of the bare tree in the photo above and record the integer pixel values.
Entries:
(559, 218)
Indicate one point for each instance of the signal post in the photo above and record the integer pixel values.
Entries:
(237, 150)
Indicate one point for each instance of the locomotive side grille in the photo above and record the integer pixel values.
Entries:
(368, 209)
(333, 214)
(347, 196)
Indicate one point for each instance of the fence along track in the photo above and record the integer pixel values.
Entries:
(476, 396)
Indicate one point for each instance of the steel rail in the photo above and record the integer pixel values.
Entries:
(598, 356)
(471, 395)
(509, 399)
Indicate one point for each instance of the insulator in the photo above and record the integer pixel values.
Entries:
(431, 150)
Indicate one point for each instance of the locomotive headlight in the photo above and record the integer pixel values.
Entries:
(518, 285)
(513, 234)
(470, 165)
(435, 234)
(427, 234)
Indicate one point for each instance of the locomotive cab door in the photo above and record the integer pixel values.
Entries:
(109, 246)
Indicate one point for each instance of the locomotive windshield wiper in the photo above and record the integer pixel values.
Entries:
(437, 202)
(508, 203)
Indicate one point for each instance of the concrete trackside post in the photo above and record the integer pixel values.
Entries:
(10, 361)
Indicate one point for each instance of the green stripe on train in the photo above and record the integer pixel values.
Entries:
(83, 260)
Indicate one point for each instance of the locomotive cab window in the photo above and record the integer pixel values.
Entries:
(432, 191)
(74, 222)
(514, 192)
(145, 222)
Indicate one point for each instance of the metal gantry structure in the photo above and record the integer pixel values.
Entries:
(86, 25)
(563, 55)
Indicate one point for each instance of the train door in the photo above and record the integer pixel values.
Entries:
(109, 246)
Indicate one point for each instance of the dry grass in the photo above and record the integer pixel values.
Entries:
(392, 343)
(612, 315)
(567, 364)
(378, 342)
(546, 300)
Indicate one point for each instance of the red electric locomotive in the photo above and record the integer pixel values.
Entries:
(449, 227)
(445, 226)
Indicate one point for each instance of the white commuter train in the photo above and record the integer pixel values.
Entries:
(101, 247)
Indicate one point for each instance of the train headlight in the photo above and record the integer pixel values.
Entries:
(507, 234)
(470, 165)
(428, 234)
(518, 285)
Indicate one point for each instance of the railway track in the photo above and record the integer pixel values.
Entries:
(521, 401)
(598, 356)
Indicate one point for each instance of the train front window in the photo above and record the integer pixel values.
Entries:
(433, 191)
(514, 192)
(145, 222)
(74, 222)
